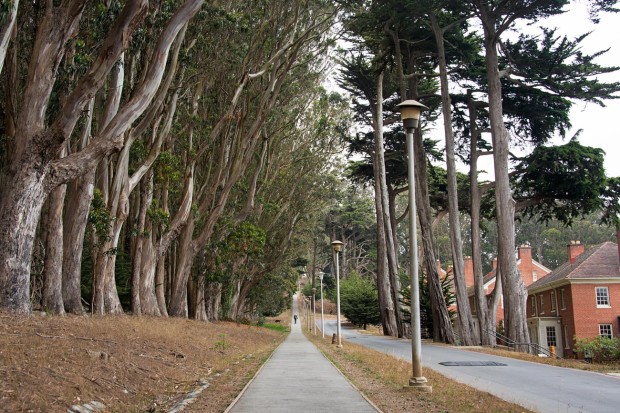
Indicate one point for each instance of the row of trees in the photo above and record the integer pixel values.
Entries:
(172, 150)
(518, 90)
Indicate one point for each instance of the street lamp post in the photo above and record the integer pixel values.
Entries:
(337, 246)
(314, 310)
(410, 114)
(321, 274)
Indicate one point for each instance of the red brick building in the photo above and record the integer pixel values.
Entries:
(530, 270)
(580, 298)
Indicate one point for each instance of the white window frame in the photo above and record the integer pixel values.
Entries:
(534, 276)
(554, 306)
(542, 304)
(533, 305)
(600, 298)
(563, 299)
(611, 330)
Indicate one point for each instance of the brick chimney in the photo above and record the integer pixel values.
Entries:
(575, 248)
(469, 271)
(525, 253)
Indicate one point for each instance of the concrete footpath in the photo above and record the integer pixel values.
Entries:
(298, 378)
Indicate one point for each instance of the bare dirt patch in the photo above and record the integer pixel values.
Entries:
(48, 364)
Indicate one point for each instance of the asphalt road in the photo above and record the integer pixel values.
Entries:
(538, 387)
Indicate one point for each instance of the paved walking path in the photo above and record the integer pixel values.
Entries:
(298, 378)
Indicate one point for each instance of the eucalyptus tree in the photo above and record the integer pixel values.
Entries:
(35, 167)
(292, 186)
(282, 40)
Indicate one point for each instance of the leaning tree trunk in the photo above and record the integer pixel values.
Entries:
(24, 189)
(34, 168)
(515, 292)
(80, 195)
(442, 324)
(386, 301)
(466, 325)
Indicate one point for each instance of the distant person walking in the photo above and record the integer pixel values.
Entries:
(295, 318)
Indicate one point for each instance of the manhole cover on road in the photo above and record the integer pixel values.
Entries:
(471, 363)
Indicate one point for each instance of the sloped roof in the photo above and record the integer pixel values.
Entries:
(491, 274)
(600, 261)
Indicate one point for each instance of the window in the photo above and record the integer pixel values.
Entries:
(534, 276)
(604, 330)
(551, 338)
(602, 297)
(553, 301)
(562, 299)
(533, 303)
(542, 304)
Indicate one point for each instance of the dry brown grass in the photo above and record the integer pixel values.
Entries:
(568, 363)
(383, 378)
(130, 364)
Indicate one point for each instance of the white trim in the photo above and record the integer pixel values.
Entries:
(542, 267)
(576, 281)
(606, 289)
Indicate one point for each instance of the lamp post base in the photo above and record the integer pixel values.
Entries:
(419, 384)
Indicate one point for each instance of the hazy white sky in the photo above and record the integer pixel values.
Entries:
(601, 126)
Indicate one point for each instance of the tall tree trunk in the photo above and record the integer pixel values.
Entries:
(149, 266)
(186, 254)
(386, 303)
(214, 299)
(466, 324)
(200, 313)
(24, 190)
(34, 168)
(143, 200)
(515, 292)
(52, 287)
(442, 324)
(486, 308)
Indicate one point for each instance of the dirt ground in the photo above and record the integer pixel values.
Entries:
(48, 364)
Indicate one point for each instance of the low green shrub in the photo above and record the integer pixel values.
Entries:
(598, 348)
